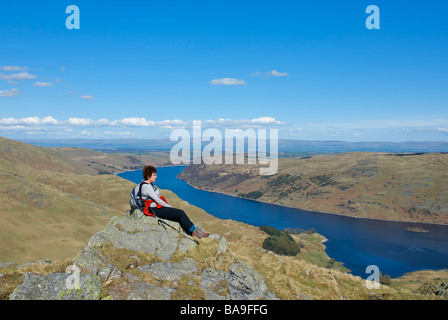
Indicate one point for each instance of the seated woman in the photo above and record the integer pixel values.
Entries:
(158, 206)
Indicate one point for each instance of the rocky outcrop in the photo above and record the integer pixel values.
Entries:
(54, 286)
(434, 288)
(135, 258)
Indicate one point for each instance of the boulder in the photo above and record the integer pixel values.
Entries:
(142, 234)
(56, 286)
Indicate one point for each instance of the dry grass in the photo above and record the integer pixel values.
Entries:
(12, 275)
(413, 280)
(69, 207)
(39, 220)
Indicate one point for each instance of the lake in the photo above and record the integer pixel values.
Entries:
(356, 242)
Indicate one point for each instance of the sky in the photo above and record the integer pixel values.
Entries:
(313, 70)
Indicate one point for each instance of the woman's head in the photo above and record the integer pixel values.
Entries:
(148, 171)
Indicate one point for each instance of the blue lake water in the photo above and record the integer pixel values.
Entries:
(356, 242)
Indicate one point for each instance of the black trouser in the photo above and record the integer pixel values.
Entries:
(176, 215)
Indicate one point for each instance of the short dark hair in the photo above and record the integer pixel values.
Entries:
(148, 171)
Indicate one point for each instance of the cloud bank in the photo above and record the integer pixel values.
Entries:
(82, 126)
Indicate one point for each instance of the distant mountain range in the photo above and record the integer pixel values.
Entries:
(284, 145)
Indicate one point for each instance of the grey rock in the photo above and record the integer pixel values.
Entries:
(28, 264)
(135, 215)
(146, 291)
(186, 244)
(7, 264)
(143, 235)
(170, 271)
(89, 259)
(53, 286)
(109, 272)
(241, 282)
(214, 284)
(132, 287)
(140, 233)
(434, 288)
(245, 283)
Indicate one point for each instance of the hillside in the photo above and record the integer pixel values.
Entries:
(403, 187)
(137, 259)
(97, 162)
(53, 199)
(54, 213)
(20, 156)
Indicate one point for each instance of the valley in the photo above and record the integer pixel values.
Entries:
(399, 187)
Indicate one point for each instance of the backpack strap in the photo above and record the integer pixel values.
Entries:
(139, 194)
(147, 202)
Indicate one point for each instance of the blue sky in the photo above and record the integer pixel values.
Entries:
(140, 69)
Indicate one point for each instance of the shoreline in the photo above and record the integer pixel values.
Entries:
(285, 206)
(311, 211)
(326, 240)
(174, 165)
(314, 211)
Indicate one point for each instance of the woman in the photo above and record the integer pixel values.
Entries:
(156, 204)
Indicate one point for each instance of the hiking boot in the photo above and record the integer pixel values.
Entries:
(199, 233)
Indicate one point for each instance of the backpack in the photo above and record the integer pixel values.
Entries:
(144, 205)
(136, 199)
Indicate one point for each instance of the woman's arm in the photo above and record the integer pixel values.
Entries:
(148, 191)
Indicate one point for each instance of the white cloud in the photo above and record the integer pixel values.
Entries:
(102, 122)
(81, 122)
(443, 129)
(18, 76)
(29, 121)
(43, 84)
(265, 120)
(169, 124)
(269, 74)
(132, 122)
(13, 68)
(9, 93)
(228, 82)
(12, 128)
(257, 122)
(75, 124)
(50, 120)
(275, 73)
(87, 97)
